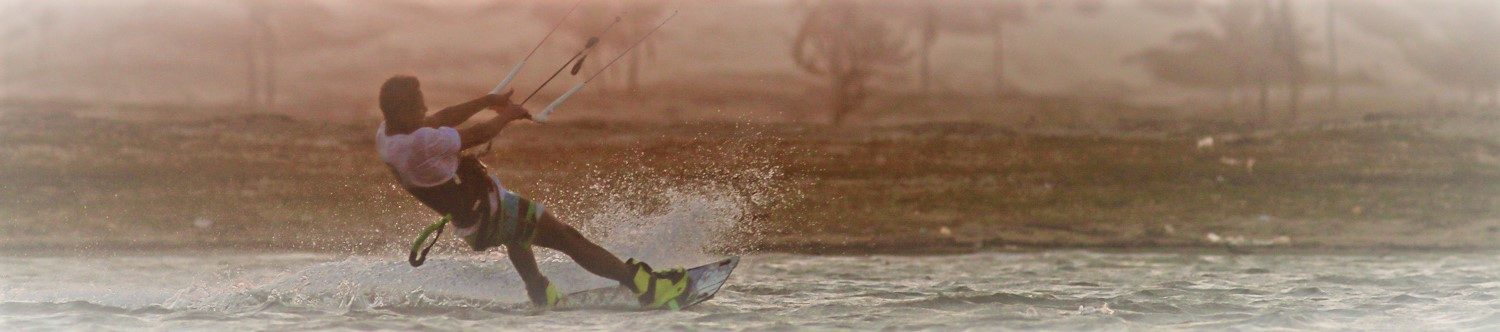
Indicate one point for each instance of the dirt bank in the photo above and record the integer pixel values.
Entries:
(269, 181)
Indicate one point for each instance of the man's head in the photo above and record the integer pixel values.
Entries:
(401, 102)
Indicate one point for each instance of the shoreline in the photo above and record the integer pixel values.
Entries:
(254, 183)
(922, 246)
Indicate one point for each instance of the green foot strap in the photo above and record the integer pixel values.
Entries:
(657, 290)
(418, 254)
(551, 297)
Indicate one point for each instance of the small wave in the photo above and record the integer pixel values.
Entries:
(761, 290)
(1160, 293)
(1410, 299)
(945, 301)
(1305, 291)
(42, 308)
(890, 295)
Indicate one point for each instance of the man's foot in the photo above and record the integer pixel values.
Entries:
(658, 289)
(545, 298)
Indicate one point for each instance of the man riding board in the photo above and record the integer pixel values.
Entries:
(425, 153)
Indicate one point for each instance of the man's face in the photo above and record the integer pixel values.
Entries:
(411, 116)
(401, 101)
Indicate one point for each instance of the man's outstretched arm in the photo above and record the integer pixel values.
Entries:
(457, 114)
(481, 133)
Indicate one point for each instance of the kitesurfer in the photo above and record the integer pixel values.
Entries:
(425, 153)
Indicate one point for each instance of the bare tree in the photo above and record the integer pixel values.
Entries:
(1463, 50)
(279, 29)
(929, 36)
(33, 21)
(646, 13)
(1223, 56)
(841, 42)
(1457, 44)
(1252, 44)
(256, 30)
(8, 37)
(1013, 12)
(930, 20)
(1335, 85)
(1173, 8)
(1289, 45)
(1004, 13)
(1269, 36)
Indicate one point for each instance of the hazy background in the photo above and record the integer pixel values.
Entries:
(323, 59)
(1214, 164)
(792, 125)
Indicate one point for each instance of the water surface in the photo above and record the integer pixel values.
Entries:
(1026, 290)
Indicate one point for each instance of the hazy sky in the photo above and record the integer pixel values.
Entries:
(194, 50)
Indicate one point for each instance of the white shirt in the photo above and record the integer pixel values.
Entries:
(424, 158)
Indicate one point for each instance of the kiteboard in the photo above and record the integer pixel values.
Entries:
(703, 282)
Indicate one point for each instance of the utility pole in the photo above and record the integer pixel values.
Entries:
(1264, 66)
(1334, 82)
(1292, 54)
(252, 59)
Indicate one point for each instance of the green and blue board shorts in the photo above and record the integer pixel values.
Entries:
(513, 223)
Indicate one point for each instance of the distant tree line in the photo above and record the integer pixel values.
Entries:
(1250, 49)
(852, 43)
(1250, 52)
(1255, 44)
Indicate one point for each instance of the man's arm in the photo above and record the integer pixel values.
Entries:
(457, 114)
(484, 131)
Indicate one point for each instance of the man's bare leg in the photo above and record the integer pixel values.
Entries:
(553, 234)
(655, 289)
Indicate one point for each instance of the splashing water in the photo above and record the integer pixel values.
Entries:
(1052, 290)
(690, 219)
(684, 230)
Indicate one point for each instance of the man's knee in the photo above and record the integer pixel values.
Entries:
(553, 234)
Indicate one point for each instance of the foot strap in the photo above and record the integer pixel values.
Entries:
(550, 298)
(658, 289)
(416, 257)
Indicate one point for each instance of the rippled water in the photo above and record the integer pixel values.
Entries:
(1029, 290)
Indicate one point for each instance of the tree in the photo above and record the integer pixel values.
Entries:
(1462, 50)
(278, 29)
(841, 42)
(930, 20)
(929, 36)
(8, 37)
(1173, 8)
(1335, 86)
(646, 13)
(1289, 45)
(1455, 43)
(258, 51)
(1012, 12)
(25, 20)
(1221, 57)
(1004, 13)
(1251, 44)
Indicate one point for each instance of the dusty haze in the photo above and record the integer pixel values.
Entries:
(827, 126)
(325, 57)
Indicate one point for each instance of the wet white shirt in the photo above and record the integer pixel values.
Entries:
(424, 158)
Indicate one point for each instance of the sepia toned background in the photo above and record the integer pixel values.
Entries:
(824, 126)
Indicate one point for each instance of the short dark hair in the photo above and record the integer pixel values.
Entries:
(401, 93)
